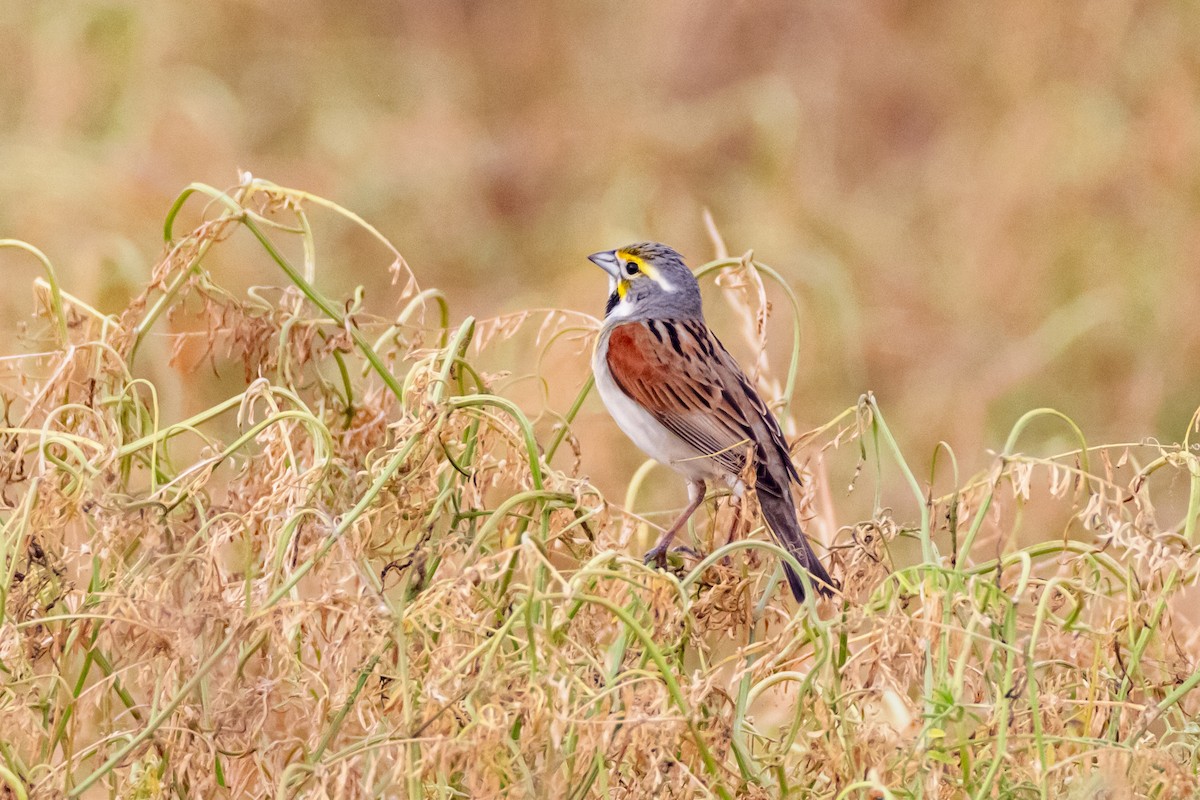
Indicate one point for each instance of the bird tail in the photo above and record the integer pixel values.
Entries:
(780, 514)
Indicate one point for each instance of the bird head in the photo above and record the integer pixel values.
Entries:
(648, 280)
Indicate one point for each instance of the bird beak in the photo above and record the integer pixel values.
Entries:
(607, 261)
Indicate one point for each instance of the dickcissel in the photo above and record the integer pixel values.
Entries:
(678, 394)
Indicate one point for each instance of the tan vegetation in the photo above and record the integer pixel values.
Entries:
(374, 569)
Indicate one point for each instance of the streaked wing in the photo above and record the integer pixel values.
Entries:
(680, 373)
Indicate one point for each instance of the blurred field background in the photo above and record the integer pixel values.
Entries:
(985, 207)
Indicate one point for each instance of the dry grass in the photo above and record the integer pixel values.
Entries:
(370, 573)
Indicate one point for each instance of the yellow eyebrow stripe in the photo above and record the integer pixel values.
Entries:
(646, 268)
(628, 256)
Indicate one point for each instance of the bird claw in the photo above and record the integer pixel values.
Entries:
(658, 555)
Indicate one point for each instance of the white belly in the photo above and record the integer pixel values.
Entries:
(644, 430)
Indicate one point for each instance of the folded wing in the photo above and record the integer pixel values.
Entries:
(681, 374)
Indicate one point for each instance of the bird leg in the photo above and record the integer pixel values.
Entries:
(658, 554)
(735, 526)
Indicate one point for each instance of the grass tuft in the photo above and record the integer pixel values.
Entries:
(364, 573)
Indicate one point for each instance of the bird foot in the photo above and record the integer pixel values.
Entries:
(658, 555)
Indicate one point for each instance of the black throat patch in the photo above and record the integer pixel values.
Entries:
(613, 299)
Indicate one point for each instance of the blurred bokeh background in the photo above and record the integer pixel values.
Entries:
(984, 207)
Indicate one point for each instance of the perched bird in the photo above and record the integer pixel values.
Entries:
(678, 394)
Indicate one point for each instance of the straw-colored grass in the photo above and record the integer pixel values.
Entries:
(365, 574)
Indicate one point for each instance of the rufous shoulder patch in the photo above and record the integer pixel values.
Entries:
(630, 355)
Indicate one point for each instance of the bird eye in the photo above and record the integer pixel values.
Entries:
(631, 268)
